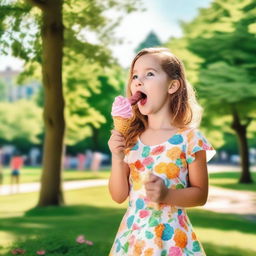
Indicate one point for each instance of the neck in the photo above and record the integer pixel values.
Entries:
(160, 119)
(159, 123)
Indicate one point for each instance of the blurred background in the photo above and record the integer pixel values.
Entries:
(62, 63)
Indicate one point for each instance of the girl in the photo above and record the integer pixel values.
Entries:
(163, 141)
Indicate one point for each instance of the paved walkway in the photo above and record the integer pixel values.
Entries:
(227, 168)
(219, 199)
(231, 201)
(67, 185)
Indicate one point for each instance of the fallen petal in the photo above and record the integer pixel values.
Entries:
(42, 252)
(80, 239)
(18, 251)
(88, 242)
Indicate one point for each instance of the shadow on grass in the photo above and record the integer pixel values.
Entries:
(56, 229)
(87, 218)
(221, 221)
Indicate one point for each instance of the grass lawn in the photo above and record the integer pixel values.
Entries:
(223, 179)
(92, 213)
(33, 174)
(230, 180)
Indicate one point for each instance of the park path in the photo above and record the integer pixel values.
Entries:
(219, 199)
(67, 185)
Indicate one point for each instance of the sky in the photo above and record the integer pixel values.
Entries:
(161, 16)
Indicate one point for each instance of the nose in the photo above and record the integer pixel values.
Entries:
(139, 82)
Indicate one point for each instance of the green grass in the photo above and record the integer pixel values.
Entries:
(91, 212)
(32, 174)
(230, 180)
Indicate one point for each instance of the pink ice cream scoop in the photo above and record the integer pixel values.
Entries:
(122, 106)
(122, 111)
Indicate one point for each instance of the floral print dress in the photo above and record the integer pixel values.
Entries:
(151, 229)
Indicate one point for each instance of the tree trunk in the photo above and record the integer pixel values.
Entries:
(52, 47)
(240, 130)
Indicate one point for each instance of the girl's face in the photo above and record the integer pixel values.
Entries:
(149, 78)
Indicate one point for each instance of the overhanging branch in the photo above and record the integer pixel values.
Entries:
(248, 121)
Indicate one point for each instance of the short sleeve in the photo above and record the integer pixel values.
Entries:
(196, 141)
(126, 158)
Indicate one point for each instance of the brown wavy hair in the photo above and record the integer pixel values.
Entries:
(184, 108)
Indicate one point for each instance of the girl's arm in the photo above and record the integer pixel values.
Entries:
(118, 182)
(194, 195)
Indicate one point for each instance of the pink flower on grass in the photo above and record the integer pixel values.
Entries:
(89, 242)
(18, 251)
(42, 252)
(81, 240)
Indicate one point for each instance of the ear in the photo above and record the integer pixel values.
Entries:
(173, 86)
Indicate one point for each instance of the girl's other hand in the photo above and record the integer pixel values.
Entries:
(156, 190)
(116, 145)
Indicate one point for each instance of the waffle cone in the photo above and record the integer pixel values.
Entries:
(121, 124)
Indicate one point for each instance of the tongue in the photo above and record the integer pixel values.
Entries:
(143, 101)
(135, 98)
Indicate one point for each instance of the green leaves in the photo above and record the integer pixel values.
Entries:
(219, 52)
(21, 120)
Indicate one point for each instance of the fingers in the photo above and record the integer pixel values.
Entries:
(152, 182)
(152, 178)
(116, 132)
(149, 186)
(116, 142)
(117, 135)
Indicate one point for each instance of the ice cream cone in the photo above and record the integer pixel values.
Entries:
(122, 124)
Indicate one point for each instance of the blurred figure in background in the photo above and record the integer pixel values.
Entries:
(81, 161)
(88, 159)
(16, 164)
(34, 155)
(96, 161)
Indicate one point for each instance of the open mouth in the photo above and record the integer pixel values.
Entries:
(144, 98)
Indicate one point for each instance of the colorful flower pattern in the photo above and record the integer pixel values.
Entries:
(148, 228)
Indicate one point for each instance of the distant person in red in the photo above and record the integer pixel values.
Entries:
(16, 164)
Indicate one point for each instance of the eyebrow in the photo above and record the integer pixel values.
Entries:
(134, 71)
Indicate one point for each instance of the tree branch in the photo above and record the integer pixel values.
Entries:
(249, 120)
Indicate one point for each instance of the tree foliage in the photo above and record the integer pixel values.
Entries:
(56, 34)
(21, 120)
(223, 38)
(151, 40)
